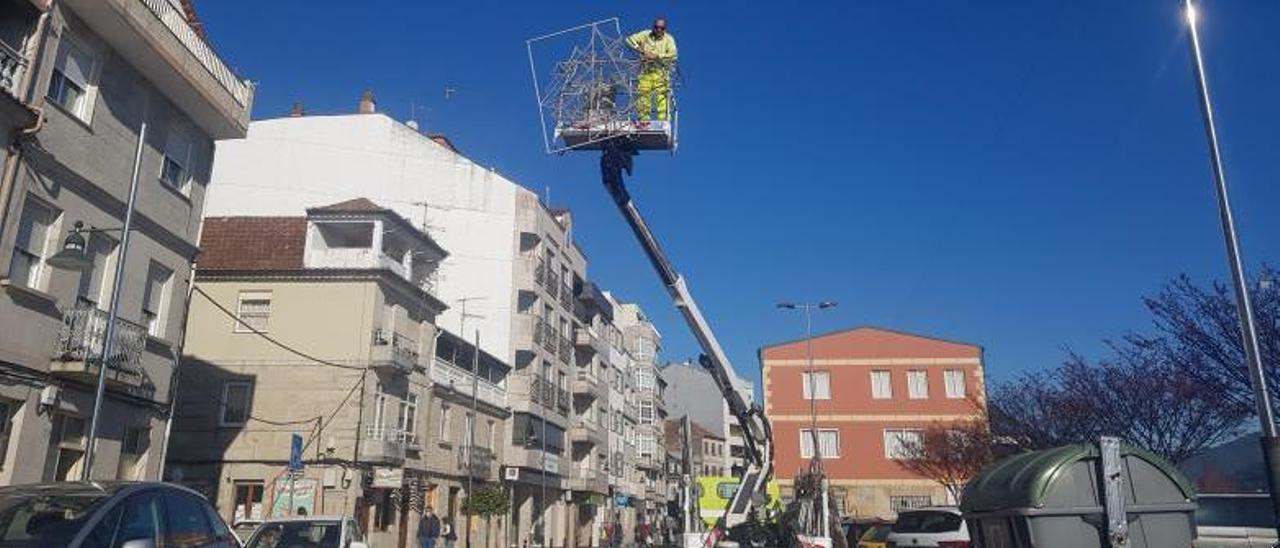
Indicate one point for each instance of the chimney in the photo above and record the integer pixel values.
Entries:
(297, 111)
(367, 105)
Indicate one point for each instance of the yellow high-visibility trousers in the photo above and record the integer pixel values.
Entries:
(653, 83)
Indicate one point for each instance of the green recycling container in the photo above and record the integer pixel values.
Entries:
(1055, 499)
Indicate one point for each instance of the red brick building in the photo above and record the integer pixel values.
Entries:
(872, 387)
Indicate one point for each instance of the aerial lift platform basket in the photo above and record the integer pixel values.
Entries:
(585, 79)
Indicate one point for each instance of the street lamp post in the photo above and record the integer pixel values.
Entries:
(1244, 307)
(816, 462)
(74, 256)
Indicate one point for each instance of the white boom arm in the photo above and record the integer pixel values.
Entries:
(616, 160)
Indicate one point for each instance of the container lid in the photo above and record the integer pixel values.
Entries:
(1024, 481)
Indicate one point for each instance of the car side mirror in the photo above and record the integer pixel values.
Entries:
(139, 543)
(357, 544)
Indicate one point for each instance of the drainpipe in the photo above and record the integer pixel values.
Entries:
(28, 89)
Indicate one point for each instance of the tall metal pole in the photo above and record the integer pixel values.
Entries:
(471, 433)
(1244, 308)
(108, 345)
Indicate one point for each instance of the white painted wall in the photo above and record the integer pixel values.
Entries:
(286, 165)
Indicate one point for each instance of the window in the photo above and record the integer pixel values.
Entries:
(468, 429)
(442, 429)
(881, 385)
(897, 440)
(955, 383)
(175, 170)
(646, 411)
(72, 82)
(141, 519)
(409, 416)
(93, 290)
(917, 384)
(248, 501)
(34, 229)
(7, 409)
(817, 385)
(155, 299)
(828, 443)
(185, 522)
(132, 449)
(898, 503)
(253, 310)
(66, 447)
(236, 398)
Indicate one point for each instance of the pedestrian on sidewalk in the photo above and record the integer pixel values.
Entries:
(429, 528)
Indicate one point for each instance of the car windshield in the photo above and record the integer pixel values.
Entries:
(1234, 512)
(44, 518)
(927, 521)
(297, 534)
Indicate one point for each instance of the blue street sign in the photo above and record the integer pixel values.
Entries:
(295, 454)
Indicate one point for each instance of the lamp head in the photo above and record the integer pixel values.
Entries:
(827, 304)
(787, 306)
(74, 253)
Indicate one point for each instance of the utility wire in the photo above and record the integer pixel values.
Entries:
(279, 344)
(222, 403)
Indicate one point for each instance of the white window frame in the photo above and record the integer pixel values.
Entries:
(156, 320)
(83, 109)
(226, 393)
(887, 393)
(36, 277)
(893, 439)
(806, 443)
(955, 383)
(89, 292)
(442, 428)
(178, 137)
(408, 422)
(816, 390)
(918, 384)
(244, 322)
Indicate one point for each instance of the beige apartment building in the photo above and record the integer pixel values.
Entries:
(323, 326)
(81, 83)
(644, 343)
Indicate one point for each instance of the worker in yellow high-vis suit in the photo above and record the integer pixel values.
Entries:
(657, 50)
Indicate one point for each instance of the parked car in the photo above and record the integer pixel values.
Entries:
(244, 528)
(117, 514)
(876, 536)
(1234, 521)
(853, 528)
(308, 531)
(939, 527)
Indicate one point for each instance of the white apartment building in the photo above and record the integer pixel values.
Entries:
(513, 269)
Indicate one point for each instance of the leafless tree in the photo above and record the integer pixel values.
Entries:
(1177, 391)
(950, 453)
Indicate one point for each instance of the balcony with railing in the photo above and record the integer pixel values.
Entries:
(12, 66)
(452, 377)
(566, 350)
(382, 444)
(541, 391)
(590, 478)
(563, 401)
(586, 431)
(566, 297)
(586, 383)
(477, 461)
(156, 38)
(552, 283)
(394, 351)
(549, 338)
(81, 342)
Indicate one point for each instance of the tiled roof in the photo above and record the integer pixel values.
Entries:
(870, 342)
(354, 204)
(189, 9)
(252, 243)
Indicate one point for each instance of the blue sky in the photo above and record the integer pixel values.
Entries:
(1011, 174)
